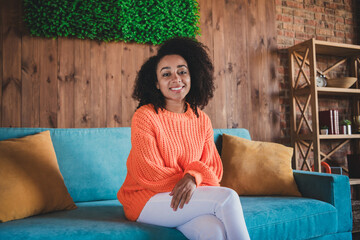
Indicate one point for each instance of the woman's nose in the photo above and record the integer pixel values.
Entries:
(177, 78)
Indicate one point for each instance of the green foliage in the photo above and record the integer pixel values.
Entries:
(142, 21)
(345, 122)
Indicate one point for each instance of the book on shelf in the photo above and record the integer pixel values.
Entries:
(336, 121)
(327, 118)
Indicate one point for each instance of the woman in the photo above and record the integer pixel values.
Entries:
(173, 167)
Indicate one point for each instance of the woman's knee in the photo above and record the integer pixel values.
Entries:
(228, 195)
(228, 201)
(205, 227)
(232, 193)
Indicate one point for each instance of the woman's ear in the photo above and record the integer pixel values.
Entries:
(157, 85)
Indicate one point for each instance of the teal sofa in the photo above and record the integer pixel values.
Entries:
(93, 164)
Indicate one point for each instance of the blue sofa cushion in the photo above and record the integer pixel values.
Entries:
(92, 220)
(92, 161)
(238, 132)
(278, 217)
(288, 217)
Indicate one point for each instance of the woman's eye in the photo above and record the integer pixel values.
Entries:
(183, 72)
(166, 74)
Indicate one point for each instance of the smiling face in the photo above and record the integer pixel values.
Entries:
(173, 79)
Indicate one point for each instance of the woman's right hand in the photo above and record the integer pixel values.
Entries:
(182, 192)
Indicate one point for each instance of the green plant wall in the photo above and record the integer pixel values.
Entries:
(142, 21)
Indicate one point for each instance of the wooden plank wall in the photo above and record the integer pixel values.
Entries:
(72, 83)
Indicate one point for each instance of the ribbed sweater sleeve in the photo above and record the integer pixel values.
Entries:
(146, 165)
(208, 171)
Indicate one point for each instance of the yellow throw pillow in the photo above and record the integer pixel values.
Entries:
(30, 178)
(257, 168)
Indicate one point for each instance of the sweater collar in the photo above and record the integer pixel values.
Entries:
(189, 114)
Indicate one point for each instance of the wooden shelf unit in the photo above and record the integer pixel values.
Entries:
(340, 136)
(355, 181)
(304, 55)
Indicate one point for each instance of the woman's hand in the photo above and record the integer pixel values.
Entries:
(182, 192)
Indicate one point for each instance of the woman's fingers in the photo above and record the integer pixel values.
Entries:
(176, 193)
(182, 192)
(177, 198)
(185, 199)
(188, 197)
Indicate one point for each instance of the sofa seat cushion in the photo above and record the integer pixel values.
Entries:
(92, 220)
(276, 217)
(288, 217)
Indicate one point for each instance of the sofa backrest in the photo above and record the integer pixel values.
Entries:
(93, 160)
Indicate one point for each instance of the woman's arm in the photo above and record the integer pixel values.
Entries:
(145, 164)
(208, 170)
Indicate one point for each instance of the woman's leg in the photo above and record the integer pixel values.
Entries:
(221, 202)
(205, 227)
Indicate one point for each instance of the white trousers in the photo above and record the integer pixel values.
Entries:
(212, 213)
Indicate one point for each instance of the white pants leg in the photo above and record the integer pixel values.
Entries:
(223, 203)
(205, 227)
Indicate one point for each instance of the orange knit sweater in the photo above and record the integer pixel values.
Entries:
(166, 146)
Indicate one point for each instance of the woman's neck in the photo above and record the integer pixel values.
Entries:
(176, 107)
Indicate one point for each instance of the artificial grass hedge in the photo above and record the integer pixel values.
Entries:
(142, 21)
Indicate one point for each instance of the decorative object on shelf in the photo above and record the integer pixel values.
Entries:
(321, 81)
(326, 167)
(357, 123)
(337, 170)
(140, 21)
(324, 130)
(327, 118)
(343, 82)
(345, 127)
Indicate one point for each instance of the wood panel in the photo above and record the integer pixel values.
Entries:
(134, 55)
(48, 82)
(272, 105)
(260, 43)
(218, 103)
(244, 104)
(66, 80)
(11, 84)
(255, 44)
(82, 92)
(98, 84)
(2, 7)
(70, 82)
(114, 84)
(206, 23)
(30, 97)
(236, 60)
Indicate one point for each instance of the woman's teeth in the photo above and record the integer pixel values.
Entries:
(175, 89)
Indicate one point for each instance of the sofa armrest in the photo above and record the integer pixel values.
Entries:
(331, 188)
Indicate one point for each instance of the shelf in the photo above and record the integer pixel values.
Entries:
(328, 48)
(337, 91)
(354, 181)
(307, 137)
(339, 136)
(323, 91)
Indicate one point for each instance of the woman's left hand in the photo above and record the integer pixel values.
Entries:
(182, 192)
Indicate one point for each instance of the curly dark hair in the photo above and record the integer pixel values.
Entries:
(201, 72)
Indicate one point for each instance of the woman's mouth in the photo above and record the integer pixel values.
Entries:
(177, 88)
